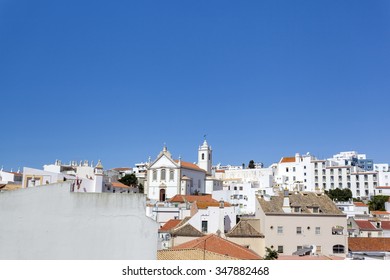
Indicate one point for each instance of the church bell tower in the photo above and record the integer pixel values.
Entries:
(205, 154)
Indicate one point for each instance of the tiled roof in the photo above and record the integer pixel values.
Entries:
(202, 201)
(360, 204)
(380, 213)
(189, 165)
(170, 225)
(359, 244)
(220, 171)
(287, 159)
(191, 254)
(385, 225)
(119, 185)
(305, 200)
(216, 244)
(365, 225)
(191, 198)
(243, 229)
(186, 230)
(383, 187)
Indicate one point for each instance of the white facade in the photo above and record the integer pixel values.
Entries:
(84, 178)
(10, 177)
(242, 196)
(51, 223)
(214, 219)
(295, 173)
(167, 177)
(306, 173)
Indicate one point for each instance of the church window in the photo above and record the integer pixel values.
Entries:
(162, 176)
(202, 155)
(154, 175)
(171, 175)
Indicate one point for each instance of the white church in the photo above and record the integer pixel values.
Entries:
(167, 177)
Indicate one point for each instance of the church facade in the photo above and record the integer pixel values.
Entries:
(167, 177)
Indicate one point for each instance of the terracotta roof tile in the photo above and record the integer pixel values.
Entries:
(380, 213)
(287, 159)
(216, 244)
(189, 165)
(119, 185)
(365, 225)
(190, 254)
(359, 244)
(170, 224)
(191, 198)
(202, 201)
(385, 225)
(360, 204)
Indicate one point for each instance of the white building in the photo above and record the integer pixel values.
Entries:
(10, 177)
(84, 177)
(307, 173)
(167, 177)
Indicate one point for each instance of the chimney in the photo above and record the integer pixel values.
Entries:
(221, 226)
(286, 201)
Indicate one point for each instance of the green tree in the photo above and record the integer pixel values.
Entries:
(270, 254)
(339, 194)
(377, 203)
(251, 164)
(129, 180)
(141, 188)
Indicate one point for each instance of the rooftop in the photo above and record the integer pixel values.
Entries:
(377, 244)
(216, 244)
(305, 200)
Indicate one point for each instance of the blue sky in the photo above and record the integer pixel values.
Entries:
(263, 79)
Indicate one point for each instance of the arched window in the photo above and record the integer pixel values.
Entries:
(338, 249)
(154, 175)
(202, 155)
(171, 175)
(162, 177)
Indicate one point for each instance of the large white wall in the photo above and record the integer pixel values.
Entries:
(49, 222)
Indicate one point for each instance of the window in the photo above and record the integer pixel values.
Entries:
(204, 226)
(318, 230)
(338, 249)
(202, 156)
(171, 175)
(162, 175)
(297, 209)
(299, 230)
(293, 169)
(154, 175)
(286, 169)
(280, 249)
(241, 188)
(319, 249)
(280, 229)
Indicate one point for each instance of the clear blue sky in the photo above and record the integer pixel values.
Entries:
(114, 80)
